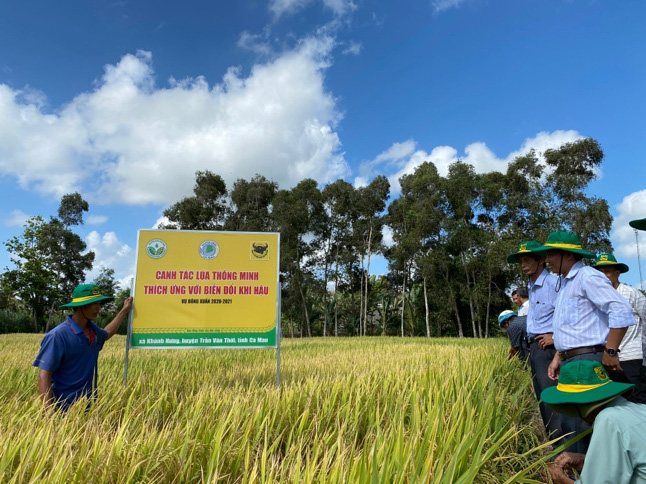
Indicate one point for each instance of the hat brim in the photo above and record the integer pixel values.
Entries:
(86, 302)
(619, 265)
(554, 396)
(584, 253)
(639, 224)
(513, 258)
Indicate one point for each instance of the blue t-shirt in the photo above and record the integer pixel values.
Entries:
(68, 353)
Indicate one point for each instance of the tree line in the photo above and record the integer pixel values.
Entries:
(446, 275)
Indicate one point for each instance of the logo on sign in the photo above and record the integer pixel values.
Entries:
(209, 250)
(260, 250)
(156, 248)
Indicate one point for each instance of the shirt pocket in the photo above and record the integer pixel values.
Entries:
(570, 313)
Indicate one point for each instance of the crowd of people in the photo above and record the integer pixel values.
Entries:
(581, 331)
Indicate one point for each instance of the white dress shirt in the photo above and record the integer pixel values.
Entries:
(587, 306)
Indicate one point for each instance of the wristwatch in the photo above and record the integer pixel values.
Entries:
(612, 351)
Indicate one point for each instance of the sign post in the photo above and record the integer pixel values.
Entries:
(206, 289)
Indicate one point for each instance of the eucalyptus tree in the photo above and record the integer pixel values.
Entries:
(299, 215)
(207, 209)
(251, 203)
(370, 202)
(339, 200)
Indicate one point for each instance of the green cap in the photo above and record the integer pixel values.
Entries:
(86, 294)
(583, 383)
(608, 260)
(639, 224)
(566, 241)
(526, 247)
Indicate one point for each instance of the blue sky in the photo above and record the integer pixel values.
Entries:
(123, 101)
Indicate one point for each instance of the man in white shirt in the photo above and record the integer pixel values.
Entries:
(520, 296)
(631, 354)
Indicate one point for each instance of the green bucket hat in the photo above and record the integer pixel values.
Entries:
(639, 224)
(86, 294)
(608, 260)
(526, 247)
(583, 383)
(566, 241)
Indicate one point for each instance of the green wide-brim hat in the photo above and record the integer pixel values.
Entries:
(566, 241)
(526, 247)
(86, 294)
(583, 382)
(639, 224)
(608, 260)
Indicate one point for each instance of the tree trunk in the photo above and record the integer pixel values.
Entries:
(361, 297)
(478, 313)
(455, 304)
(336, 287)
(473, 319)
(403, 303)
(428, 316)
(49, 318)
(307, 314)
(365, 308)
(488, 310)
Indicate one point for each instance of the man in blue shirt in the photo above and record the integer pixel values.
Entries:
(542, 296)
(69, 353)
(617, 452)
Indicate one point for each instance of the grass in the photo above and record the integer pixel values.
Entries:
(350, 410)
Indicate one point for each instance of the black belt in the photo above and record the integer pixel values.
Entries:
(564, 355)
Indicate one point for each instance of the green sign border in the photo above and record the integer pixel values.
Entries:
(218, 340)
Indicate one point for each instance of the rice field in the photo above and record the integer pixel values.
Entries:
(385, 410)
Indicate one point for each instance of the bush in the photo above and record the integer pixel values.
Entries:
(15, 321)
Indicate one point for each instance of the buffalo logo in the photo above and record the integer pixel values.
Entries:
(260, 250)
(600, 373)
(603, 258)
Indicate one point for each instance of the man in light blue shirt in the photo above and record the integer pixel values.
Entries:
(590, 316)
(617, 452)
(542, 296)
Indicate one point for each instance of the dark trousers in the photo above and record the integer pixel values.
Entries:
(576, 424)
(539, 361)
(631, 375)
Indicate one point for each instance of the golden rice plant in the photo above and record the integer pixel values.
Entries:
(385, 410)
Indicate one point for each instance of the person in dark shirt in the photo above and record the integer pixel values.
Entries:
(516, 327)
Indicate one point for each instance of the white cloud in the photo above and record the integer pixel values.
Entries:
(97, 219)
(132, 142)
(17, 218)
(632, 207)
(388, 240)
(442, 5)
(110, 252)
(258, 43)
(290, 7)
(161, 220)
(353, 48)
(403, 158)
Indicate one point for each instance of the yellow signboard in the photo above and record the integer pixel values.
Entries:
(206, 289)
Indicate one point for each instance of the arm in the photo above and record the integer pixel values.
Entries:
(555, 368)
(615, 335)
(45, 387)
(114, 325)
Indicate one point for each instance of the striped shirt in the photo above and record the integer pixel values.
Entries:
(631, 345)
(587, 307)
(542, 297)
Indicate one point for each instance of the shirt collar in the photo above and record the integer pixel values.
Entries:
(575, 269)
(539, 281)
(77, 329)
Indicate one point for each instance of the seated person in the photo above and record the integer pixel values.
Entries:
(617, 452)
